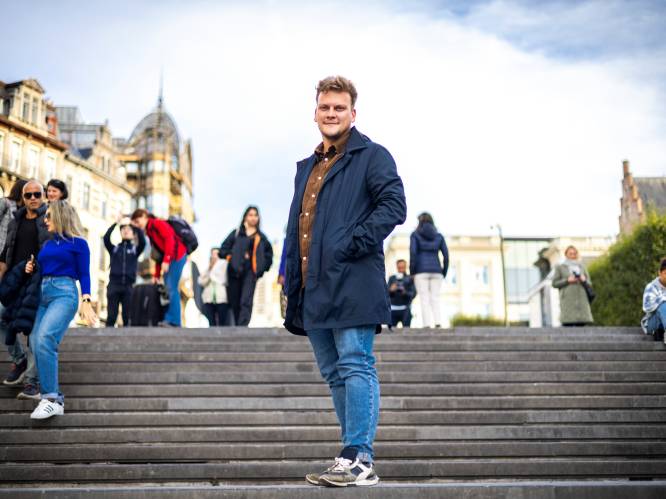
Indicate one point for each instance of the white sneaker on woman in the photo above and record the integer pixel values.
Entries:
(46, 409)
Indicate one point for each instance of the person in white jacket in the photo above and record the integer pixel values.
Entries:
(214, 282)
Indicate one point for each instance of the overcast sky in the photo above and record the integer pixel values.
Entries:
(496, 111)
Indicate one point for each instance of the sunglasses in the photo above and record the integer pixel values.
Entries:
(30, 195)
(47, 217)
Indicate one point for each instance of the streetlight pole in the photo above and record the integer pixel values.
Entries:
(506, 298)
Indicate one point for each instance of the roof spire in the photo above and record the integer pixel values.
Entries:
(160, 98)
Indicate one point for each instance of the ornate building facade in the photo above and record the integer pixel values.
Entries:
(106, 176)
(639, 196)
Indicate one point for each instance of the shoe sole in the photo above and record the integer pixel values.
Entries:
(358, 483)
(23, 396)
(312, 479)
(14, 383)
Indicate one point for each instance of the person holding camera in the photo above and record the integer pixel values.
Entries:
(573, 281)
(401, 293)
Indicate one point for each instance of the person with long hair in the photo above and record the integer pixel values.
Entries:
(250, 255)
(62, 261)
(428, 271)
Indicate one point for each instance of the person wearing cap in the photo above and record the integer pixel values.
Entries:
(124, 258)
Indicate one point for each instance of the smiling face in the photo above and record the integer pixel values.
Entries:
(53, 194)
(334, 115)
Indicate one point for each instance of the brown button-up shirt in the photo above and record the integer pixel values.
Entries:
(325, 161)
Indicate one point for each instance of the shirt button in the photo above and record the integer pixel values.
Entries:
(305, 258)
(305, 236)
(307, 214)
(325, 159)
(313, 195)
(318, 178)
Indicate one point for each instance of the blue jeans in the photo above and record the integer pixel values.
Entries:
(657, 321)
(59, 303)
(171, 280)
(19, 353)
(347, 364)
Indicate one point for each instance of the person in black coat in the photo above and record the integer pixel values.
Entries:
(425, 245)
(19, 294)
(124, 258)
(402, 292)
(250, 255)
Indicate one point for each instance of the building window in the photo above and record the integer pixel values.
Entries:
(2, 149)
(35, 111)
(50, 167)
(105, 204)
(15, 155)
(86, 196)
(102, 255)
(69, 181)
(26, 107)
(481, 275)
(33, 162)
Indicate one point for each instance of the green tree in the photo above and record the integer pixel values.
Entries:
(620, 276)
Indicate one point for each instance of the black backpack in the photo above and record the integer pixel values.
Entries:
(184, 231)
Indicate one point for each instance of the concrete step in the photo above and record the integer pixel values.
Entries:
(118, 344)
(324, 403)
(321, 390)
(187, 434)
(382, 357)
(80, 420)
(158, 378)
(418, 469)
(532, 489)
(205, 451)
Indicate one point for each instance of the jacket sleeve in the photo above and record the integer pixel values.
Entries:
(107, 239)
(204, 279)
(445, 254)
(141, 238)
(410, 289)
(390, 282)
(10, 229)
(651, 299)
(390, 207)
(169, 237)
(413, 251)
(559, 279)
(227, 245)
(83, 265)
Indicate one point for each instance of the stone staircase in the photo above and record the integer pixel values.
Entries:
(234, 412)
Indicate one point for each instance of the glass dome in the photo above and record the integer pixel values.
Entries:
(156, 132)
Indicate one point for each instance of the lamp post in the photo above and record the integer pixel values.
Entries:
(506, 298)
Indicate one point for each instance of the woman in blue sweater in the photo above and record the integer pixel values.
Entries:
(63, 260)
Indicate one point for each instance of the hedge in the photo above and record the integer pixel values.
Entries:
(620, 276)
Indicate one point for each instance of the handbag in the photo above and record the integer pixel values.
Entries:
(591, 295)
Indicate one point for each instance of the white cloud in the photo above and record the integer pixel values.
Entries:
(482, 131)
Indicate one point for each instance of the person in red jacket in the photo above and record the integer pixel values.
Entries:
(173, 257)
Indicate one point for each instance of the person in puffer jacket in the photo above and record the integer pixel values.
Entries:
(428, 271)
(20, 294)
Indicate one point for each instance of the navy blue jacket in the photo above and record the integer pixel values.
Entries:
(20, 293)
(425, 244)
(361, 201)
(124, 257)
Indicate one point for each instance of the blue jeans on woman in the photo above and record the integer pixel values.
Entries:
(58, 305)
(347, 364)
(171, 281)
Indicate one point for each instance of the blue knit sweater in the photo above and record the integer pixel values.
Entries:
(66, 257)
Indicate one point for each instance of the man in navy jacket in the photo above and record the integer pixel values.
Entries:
(348, 198)
(124, 264)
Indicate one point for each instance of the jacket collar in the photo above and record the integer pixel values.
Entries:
(22, 211)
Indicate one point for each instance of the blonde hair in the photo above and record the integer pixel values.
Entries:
(337, 84)
(64, 218)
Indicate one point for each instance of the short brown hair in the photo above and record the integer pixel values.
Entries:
(138, 213)
(337, 84)
(662, 265)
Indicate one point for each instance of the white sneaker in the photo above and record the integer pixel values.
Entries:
(47, 409)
